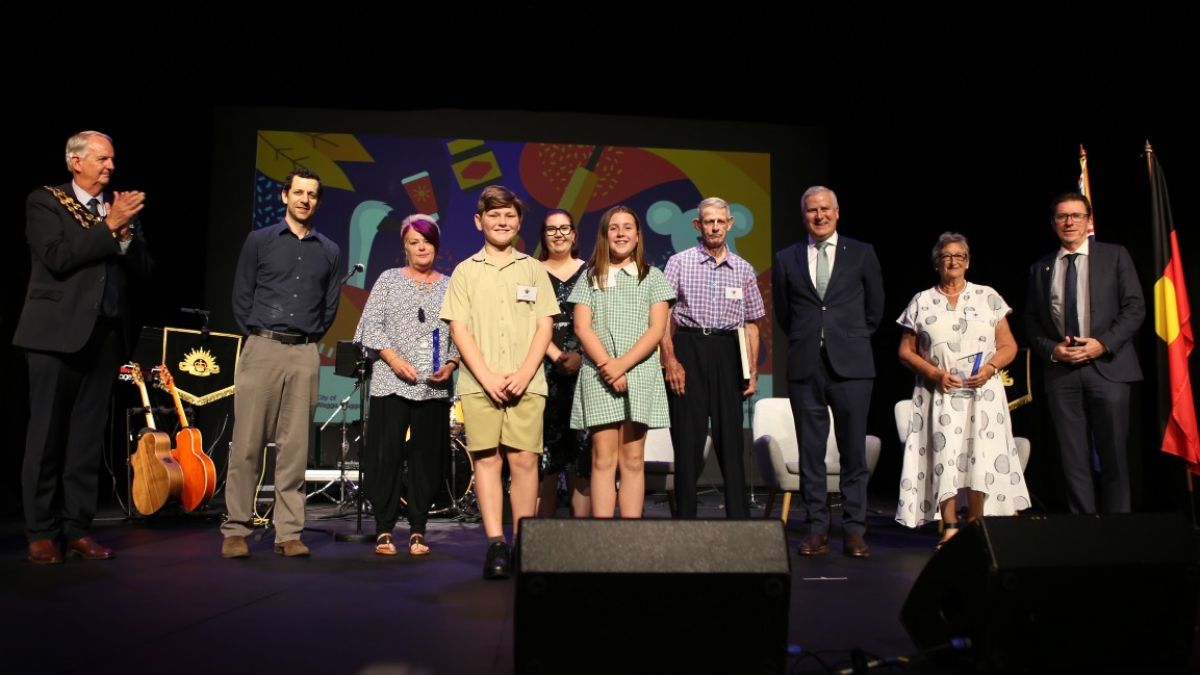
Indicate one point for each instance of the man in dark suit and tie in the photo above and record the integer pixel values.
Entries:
(1084, 307)
(75, 327)
(828, 297)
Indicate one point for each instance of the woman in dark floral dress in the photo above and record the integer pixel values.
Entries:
(568, 451)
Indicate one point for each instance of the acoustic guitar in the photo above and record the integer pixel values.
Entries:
(199, 472)
(156, 475)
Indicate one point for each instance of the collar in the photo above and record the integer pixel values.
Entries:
(496, 261)
(83, 196)
(833, 239)
(703, 256)
(1083, 250)
(629, 268)
(283, 227)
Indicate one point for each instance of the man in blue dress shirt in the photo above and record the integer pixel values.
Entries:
(285, 296)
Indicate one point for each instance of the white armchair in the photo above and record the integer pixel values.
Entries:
(778, 453)
(660, 463)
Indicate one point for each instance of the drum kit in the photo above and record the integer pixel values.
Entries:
(456, 498)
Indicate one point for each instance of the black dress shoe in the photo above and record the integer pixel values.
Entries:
(497, 564)
(814, 544)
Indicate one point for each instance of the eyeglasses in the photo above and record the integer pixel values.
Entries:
(1076, 217)
(564, 230)
(956, 257)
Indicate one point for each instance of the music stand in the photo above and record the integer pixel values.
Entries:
(351, 359)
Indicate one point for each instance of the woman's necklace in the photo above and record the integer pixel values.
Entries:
(423, 288)
(938, 288)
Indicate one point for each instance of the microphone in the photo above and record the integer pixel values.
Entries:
(203, 314)
(358, 267)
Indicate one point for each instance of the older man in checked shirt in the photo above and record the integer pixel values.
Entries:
(717, 294)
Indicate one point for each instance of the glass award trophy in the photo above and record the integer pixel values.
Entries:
(968, 366)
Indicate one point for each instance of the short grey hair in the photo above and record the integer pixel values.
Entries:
(77, 144)
(816, 189)
(945, 240)
(712, 203)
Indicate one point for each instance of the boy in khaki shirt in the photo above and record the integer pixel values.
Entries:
(499, 307)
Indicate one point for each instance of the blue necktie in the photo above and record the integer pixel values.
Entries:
(1071, 298)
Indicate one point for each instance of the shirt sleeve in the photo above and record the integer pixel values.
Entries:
(909, 317)
(996, 303)
(547, 301)
(657, 288)
(243, 283)
(581, 294)
(333, 289)
(755, 308)
(457, 306)
(372, 326)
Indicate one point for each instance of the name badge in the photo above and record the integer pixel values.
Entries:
(526, 293)
(733, 293)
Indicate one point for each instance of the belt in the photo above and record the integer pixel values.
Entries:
(282, 338)
(705, 331)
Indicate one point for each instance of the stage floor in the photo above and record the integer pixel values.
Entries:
(170, 603)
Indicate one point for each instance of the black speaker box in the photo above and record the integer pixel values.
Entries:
(327, 445)
(1063, 594)
(667, 596)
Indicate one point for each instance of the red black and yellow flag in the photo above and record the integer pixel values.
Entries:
(1173, 323)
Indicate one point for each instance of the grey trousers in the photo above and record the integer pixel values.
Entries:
(275, 401)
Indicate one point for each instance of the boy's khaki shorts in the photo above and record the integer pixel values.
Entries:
(516, 426)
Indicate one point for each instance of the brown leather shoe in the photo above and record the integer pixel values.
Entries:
(291, 548)
(88, 549)
(234, 546)
(855, 546)
(814, 544)
(44, 552)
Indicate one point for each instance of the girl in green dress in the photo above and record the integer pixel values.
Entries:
(621, 311)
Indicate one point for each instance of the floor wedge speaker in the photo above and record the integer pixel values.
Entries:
(1059, 594)
(666, 596)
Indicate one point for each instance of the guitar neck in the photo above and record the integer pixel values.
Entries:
(146, 404)
(183, 421)
(135, 372)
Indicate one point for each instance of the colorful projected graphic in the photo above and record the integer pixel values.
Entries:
(372, 182)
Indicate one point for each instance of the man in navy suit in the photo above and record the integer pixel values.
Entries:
(76, 325)
(1084, 307)
(828, 296)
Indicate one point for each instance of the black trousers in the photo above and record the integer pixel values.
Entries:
(1087, 409)
(387, 450)
(68, 404)
(712, 393)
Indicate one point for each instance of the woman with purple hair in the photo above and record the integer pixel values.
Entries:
(410, 385)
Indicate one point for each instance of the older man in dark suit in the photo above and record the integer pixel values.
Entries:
(828, 297)
(75, 327)
(1084, 307)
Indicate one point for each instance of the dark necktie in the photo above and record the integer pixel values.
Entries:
(1070, 298)
(110, 304)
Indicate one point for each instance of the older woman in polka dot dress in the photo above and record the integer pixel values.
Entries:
(956, 338)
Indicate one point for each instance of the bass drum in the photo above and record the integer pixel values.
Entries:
(456, 495)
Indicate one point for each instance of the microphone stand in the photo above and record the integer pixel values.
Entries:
(361, 384)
